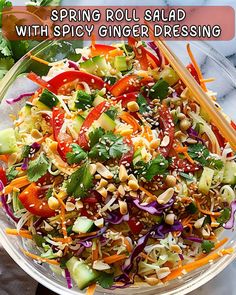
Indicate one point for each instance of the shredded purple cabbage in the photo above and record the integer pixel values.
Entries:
(160, 230)
(33, 149)
(18, 98)
(73, 65)
(193, 133)
(7, 208)
(80, 251)
(68, 279)
(181, 256)
(153, 207)
(86, 244)
(38, 222)
(194, 239)
(25, 163)
(98, 234)
(230, 223)
(157, 50)
(117, 218)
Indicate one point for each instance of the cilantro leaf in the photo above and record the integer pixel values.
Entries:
(5, 47)
(77, 154)
(4, 4)
(157, 166)
(25, 151)
(108, 145)
(83, 100)
(12, 173)
(80, 182)
(95, 135)
(37, 168)
(224, 216)
(216, 164)
(199, 153)
(186, 176)
(143, 104)
(49, 193)
(105, 280)
(207, 246)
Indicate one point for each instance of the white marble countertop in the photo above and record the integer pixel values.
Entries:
(225, 282)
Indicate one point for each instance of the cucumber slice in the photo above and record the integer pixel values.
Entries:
(106, 122)
(76, 125)
(97, 65)
(159, 90)
(48, 98)
(83, 225)
(137, 156)
(120, 63)
(41, 106)
(229, 176)
(81, 273)
(169, 75)
(205, 180)
(97, 100)
(7, 141)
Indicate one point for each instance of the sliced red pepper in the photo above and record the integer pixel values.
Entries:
(125, 98)
(34, 203)
(3, 176)
(92, 116)
(100, 49)
(128, 157)
(221, 140)
(168, 127)
(38, 80)
(130, 83)
(233, 124)
(183, 165)
(135, 225)
(64, 140)
(69, 76)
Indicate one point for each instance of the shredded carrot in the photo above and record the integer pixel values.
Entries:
(207, 80)
(95, 252)
(129, 119)
(148, 193)
(41, 259)
(63, 222)
(4, 158)
(42, 61)
(213, 222)
(23, 233)
(206, 211)
(147, 133)
(221, 243)
(197, 68)
(128, 245)
(184, 150)
(145, 256)
(186, 221)
(114, 258)
(60, 201)
(17, 183)
(91, 289)
(196, 264)
(63, 240)
(86, 234)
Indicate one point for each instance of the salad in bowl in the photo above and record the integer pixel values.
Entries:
(114, 173)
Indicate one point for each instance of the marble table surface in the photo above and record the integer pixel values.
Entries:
(13, 280)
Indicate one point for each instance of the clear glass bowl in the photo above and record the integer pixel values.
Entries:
(213, 64)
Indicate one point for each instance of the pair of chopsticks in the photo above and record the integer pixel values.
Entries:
(200, 96)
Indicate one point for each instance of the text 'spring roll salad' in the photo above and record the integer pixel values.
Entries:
(115, 172)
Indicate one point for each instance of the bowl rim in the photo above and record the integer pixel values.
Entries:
(24, 263)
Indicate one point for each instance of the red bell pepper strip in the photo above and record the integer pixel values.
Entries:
(69, 76)
(130, 83)
(3, 176)
(135, 225)
(32, 201)
(183, 165)
(64, 140)
(125, 98)
(92, 116)
(145, 57)
(128, 157)
(38, 80)
(221, 140)
(100, 49)
(168, 127)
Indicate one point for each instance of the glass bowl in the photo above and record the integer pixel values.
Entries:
(213, 64)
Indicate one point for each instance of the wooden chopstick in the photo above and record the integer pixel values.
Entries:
(200, 96)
